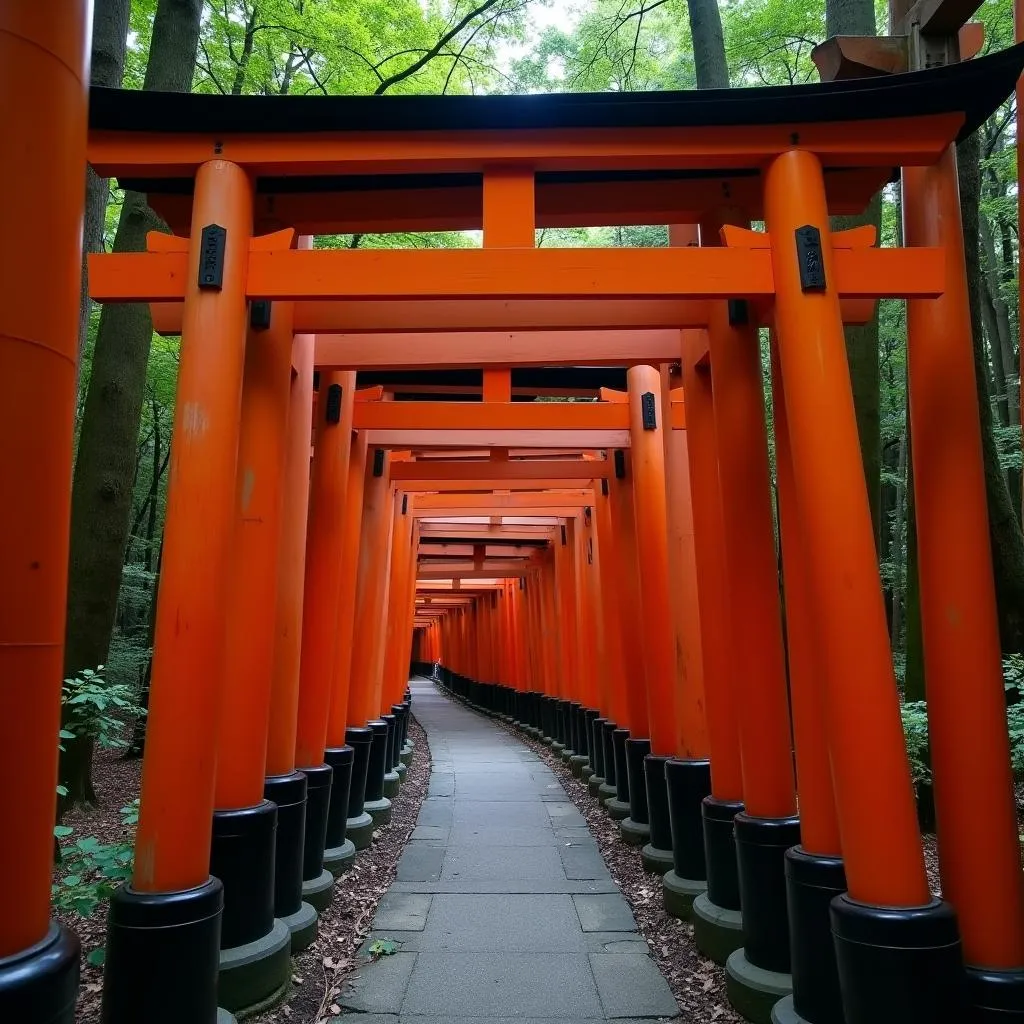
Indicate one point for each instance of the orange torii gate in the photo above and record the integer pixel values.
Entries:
(330, 702)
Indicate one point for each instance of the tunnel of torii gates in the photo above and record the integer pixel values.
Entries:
(600, 573)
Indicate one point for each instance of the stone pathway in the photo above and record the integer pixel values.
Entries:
(502, 907)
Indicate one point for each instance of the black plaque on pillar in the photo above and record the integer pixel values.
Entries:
(212, 247)
(647, 411)
(378, 462)
(259, 314)
(739, 313)
(333, 410)
(620, 464)
(810, 259)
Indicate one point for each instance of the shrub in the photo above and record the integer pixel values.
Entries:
(97, 709)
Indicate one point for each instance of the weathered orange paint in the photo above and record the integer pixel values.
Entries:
(284, 698)
(980, 857)
(874, 800)
(252, 601)
(44, 132)
(172, 845)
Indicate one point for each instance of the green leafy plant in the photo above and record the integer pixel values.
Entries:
(383, 947)
(90, 870)
(915, 731)
(97, 709)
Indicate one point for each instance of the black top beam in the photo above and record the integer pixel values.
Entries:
(974, 87)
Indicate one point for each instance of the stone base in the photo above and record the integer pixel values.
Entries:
(392, 783)
(586, 772)
(634, 833)
(556, 746)
(319, 891)
(607, 792)
(406, 754)
(717, 932)
(360, 831)
(339, 859)
(224, 1017)
(679, 894)
(618, 810)
(379, 810)
(655, 860)
(548, 742)
(258, 973)
(594, 784)
(576, 763)
(403, 771)
(302, 925)
(752, 990)
(784, 1012)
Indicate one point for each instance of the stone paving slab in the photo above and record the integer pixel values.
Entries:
(631, 985)
(502, 909)
(604, 913)
(493, 984)
(402, 911)
(421, 862)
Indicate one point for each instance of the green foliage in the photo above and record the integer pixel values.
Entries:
(915, 731)
(97, 709)
(90, 871)
(383, 947)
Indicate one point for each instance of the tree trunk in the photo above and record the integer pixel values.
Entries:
(914, 688)
(708, 44)
(109, 43)
(102, 493)
(1002, 341)
(137, 746)
(1005, 534)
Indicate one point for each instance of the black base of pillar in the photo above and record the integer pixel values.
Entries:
(378, 761)
(360, 740)
(636, 828)
(619, 737)
(720, 852)
(242, 857)
(761, 845)
(389, 751)
(687, 783)
(163, 956)
(995, 997)
(597, 746)
(899, 964)
(40, 984)
(318, 801)
(288, 792)
(608, 743)
(812, 882)
(338, 851)
(400, 713)
(656, 855)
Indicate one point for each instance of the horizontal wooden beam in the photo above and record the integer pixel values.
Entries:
(490, 416)
(517, 274)
(895, 142)
(416, 475)
(496, 437)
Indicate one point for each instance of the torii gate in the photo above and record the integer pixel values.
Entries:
(508, 158)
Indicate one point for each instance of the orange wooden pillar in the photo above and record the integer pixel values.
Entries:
(171, 884)
(565, 636)
(285, 786)
(631, 710)
(814, 869)
(645, 756)
(44, 136)
(245, 824)
(717, 910)
(980, 858)
(324, 541)
(614, 678)
(342, 732)
(368, 636)
(874, 800)
(768, 825)
(687, 775)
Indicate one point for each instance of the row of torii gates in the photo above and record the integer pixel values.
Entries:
(602, 572)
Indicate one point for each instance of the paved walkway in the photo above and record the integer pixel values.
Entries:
(502, 907)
